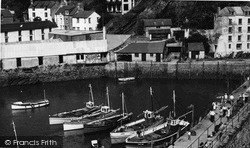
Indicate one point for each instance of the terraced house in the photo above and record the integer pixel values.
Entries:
(63, 16)
(232, 26)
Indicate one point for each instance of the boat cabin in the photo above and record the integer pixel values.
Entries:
(148, 114)
(90, 104)
(105, 109)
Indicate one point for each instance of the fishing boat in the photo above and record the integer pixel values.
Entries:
(125, 79)
(151, 119)
(104, 113)
(30, 105)
(62, 117)
(166, 132)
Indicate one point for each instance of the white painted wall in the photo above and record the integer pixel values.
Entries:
(130, 3)
(41, 13)
(84, 23)
(25, 34)
(222, 27)
(60, 21)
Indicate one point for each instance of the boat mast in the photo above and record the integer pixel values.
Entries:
(14, 127)
(174, 102)
(123, 108)
(44, 96)
(91, 93)
(108, 95)
(151, 96)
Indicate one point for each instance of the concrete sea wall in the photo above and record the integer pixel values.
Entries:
(171, 70)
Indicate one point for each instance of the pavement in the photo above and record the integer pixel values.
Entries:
(205, 127)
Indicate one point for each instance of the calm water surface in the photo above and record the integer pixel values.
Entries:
(65, 96)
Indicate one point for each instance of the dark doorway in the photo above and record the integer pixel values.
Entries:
(60, 59)
(40, 60)
(193, 54)
(143, 57)
(158, 57)
(18, 62)
(124, 57)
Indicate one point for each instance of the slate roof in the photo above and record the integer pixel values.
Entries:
(5, 13)
(147, 47)
(229, 11)
(157, 22)
(196, 46)
(83, 14)
(43, 4)
(72, 10)
(27, 26)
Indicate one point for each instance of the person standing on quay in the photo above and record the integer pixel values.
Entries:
(212, 115)
(231, 97)
(228, 113)
(225, 97)
(189, 135)
(224, 108)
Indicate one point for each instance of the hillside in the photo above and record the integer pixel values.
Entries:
(193, 14)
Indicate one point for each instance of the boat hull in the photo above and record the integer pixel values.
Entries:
(25, 106)
(120, 137)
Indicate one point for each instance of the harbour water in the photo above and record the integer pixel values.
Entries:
(65, 96)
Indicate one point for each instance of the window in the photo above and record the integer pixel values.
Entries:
(239, 37)
(40, 60)
(34, 14)
(229, 46)
(6, 34)
(248, 29)
(31, 38)
(239, 30)
(125, 0)
(19, 39)
(66, 12)
(33, 8)
(19, 33)
(240, 21)
(60, 59)
(78, 28)
(46, 14)
(230, 21)
(80, 56)
(238, 46)
(248, 37)
(97, 19)
(43, 37)
(45, 8)
(248, 45)
(89, 20)
(18, 62)
(6, 37)
(77, 20)
(125, 7)
(151, 54)
(249, 21)
(229, 38)
(31, 32)
(74, 28)
(49, 29)
(136, 54)
(229, 29)
(90, 28)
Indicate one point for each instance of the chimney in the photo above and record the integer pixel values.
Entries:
(104, 33)
(218, 10)
(31, 2)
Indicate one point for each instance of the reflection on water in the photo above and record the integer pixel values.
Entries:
(65, 96)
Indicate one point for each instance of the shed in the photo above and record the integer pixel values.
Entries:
(196, 50)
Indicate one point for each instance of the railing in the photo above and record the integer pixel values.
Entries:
(210, 143)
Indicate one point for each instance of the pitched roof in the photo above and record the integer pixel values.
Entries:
(228, 11)
(115, 40)
(72, 10)
(73, 32)
(42, 4)
(27, 26)
(147, 47)
(6, 13)
(196, 46)
(83, 14)
(157, 22)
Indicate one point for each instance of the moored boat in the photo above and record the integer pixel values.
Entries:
(62, 117)
(125, 79)
(29, 105)
(151, 119)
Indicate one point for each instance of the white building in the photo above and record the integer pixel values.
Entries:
(232, 28)
(120, 6)
(85, 20)
(26, 31)
(63, 17)
(43, 9)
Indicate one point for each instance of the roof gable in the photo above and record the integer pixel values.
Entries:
(157, 22)
(27, 26)
(147, 47)
(72, 10)
(196, 46)
(83, 14)
(229, 11)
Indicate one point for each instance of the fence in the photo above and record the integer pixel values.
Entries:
(218, 137)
